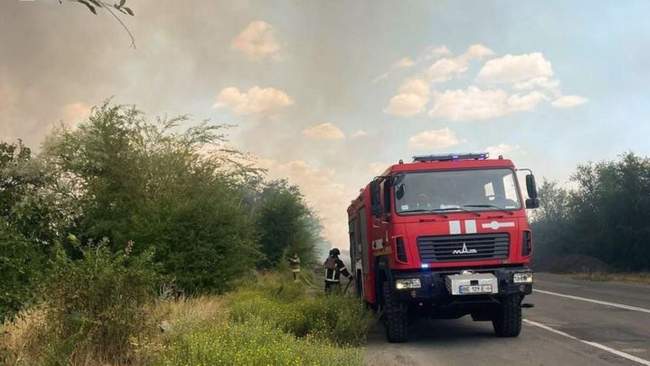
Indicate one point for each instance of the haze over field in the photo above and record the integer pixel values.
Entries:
(330, 93)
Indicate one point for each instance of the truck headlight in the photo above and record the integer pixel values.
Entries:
(407, 283)
(523, 277)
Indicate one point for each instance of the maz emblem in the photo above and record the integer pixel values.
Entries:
(464, 250)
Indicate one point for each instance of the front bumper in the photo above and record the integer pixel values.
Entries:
(433, 287)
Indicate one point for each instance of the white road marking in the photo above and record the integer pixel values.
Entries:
(593, 344)
(607, 303)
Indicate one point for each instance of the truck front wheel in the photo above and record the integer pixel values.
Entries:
(507, 318)
(395, 315)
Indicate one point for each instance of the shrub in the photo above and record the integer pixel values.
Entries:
(95, 307)
(178, 190)
(19, 265)
(254, 343)
(337, 319)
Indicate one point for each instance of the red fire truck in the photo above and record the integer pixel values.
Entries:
(444, 236)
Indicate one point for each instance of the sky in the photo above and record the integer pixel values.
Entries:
(329, 93)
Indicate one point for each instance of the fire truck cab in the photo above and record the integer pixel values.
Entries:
(444, 236)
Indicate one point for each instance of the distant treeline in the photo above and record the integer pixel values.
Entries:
(605, 219)
(201, 210)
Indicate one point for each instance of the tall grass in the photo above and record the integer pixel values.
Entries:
(254, 343)
(275, 321)
(268, 321)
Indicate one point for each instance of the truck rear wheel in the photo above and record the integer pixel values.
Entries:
(395, 315)
(507, 319)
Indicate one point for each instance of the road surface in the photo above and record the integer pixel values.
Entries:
(574, 322)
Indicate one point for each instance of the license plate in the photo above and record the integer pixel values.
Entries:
(475, 289)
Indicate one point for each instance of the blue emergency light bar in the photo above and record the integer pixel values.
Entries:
(449, 157)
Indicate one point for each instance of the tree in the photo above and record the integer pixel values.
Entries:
(23, 236)
(551, 225)
(20, 264)
(611, 210)
(178, 193)
(285, 224)
(607, 217)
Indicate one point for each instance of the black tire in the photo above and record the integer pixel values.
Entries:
(358, 283)
(395, 316)
(507, 319)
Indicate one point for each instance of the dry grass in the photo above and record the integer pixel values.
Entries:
(639, 277)
(186, 313)
(19, 338)
(26, 340)
(207, 329)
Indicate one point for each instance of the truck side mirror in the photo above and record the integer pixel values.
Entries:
(531, 186)
(532, 203)
(375, 199)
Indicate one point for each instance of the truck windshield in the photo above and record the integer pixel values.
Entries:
(447, 191)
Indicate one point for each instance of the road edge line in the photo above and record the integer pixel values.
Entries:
(593, 344)
(600, 302)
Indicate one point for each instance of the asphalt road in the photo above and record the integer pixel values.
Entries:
(601, 323)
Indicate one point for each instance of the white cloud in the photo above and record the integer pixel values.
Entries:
(448, 68)
(322, 191)
(477, 52)
(540, 82)
(568, 101)
(476, 104)
(411, 99)
(436, 52)
(501, 149)
(415, 86)
(359, 134)
(257, 41)
(324, 131)
(403, 63)
(445, 69)
(515, 69)
(526, 82)
(526, 102)
(256, 101)
(434, 140)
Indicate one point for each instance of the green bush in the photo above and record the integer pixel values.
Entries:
(337, 319)
(95, 307)
(254, 343)
(176, 190)
(19, 266)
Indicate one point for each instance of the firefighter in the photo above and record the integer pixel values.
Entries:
(294, 264)
(333, 269)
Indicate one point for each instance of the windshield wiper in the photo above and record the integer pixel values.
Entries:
(442, 210)
(491, 206)
(448, 209)
(418, 210)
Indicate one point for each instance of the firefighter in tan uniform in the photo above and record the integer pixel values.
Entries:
(333, 269)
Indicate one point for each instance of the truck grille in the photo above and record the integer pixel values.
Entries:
(463, 247)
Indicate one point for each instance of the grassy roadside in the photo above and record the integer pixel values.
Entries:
(639, 277)
(268, 321)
